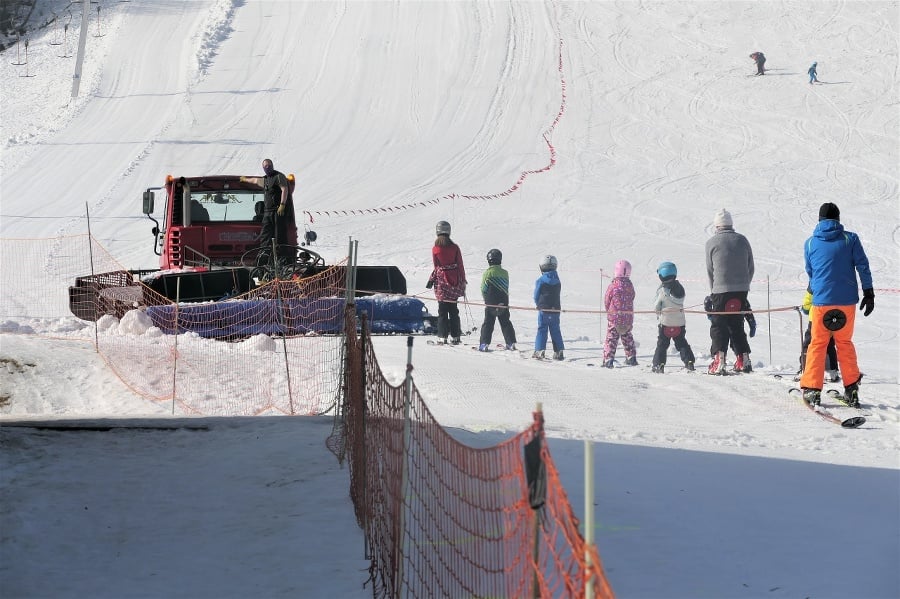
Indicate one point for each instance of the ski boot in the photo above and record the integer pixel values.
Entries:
(511, 347)
(632, 361)
(483, 347)
(558, 355)
(538, 355)
(718, 364)
(455, 341)
(689, 366)
(832, 376)
(658, 368)
(742, 363)
(851, 395)
(812, 396)
(608, 363)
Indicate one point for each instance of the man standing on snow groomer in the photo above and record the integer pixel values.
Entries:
(277, 192)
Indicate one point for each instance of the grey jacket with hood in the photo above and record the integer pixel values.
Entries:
(729, 261)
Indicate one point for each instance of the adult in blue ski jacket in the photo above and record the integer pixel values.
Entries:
(833, 258)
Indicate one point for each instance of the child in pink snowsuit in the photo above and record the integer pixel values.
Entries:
(619, 302)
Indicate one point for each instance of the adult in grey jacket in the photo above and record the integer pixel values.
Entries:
(729, 265)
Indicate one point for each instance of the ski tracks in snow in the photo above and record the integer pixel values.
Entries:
(216, 28)
(500, 390)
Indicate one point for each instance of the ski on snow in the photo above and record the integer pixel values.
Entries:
(433, 342)
(852, 422)
(498, 347)
(839, 397)
(528, 354)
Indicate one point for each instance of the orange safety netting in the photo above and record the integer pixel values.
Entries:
(276, 351)
(282, 354)
(442, 519)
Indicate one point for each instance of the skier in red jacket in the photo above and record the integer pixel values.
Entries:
(449, 281)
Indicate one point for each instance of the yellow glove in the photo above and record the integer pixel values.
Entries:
(280, 209)
(243, 179)
(807, 301)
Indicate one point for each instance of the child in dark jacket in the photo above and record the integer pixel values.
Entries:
(495, 292)
(669, 308)
(619, 304)
(546, 297)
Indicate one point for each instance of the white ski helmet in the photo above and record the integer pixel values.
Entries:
(442, 228)
(549, 262)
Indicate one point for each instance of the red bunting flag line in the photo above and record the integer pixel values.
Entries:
(524, 175)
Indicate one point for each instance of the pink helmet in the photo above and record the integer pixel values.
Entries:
(623, 268)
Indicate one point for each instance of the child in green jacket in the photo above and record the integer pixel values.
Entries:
(495, 291)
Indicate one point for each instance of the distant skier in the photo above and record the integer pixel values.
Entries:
(760, 59)
(546, 297)
(495, 291)
(669, 307)
(812, 74)
(619, 304)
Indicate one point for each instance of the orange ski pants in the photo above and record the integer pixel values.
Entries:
(814, 373)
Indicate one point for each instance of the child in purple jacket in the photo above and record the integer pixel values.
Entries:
(619, 303)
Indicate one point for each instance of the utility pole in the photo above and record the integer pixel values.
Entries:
(82, 42)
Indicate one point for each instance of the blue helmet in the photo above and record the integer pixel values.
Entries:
(667, 271)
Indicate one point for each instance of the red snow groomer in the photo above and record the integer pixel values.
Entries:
(209, 249)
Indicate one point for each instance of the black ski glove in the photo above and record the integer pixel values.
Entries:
(429, 284)
(868, 301)
(751, 322)
(708, 306)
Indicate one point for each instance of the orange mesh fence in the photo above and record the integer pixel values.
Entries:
(442, 519)
(276, 351)
(35, 274)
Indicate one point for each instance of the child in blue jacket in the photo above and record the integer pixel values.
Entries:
(812, 74)
(546, 297)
